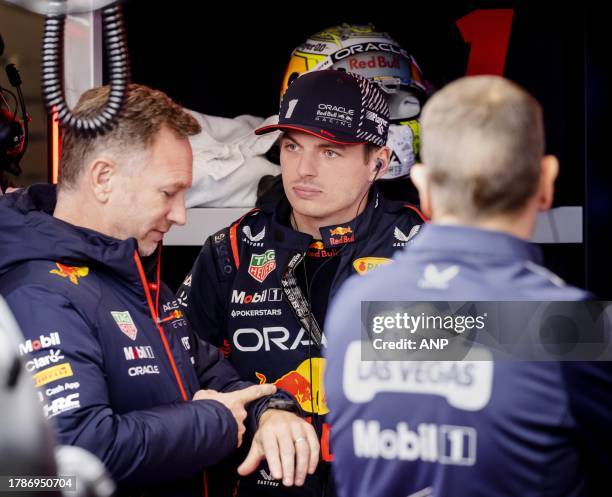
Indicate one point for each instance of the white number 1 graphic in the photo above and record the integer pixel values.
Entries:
(290, 107)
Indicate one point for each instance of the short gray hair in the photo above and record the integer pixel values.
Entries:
(482, 141)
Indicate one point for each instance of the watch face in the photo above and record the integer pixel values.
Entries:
(283, 405)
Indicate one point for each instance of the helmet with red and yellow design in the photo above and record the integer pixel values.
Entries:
(376, 56)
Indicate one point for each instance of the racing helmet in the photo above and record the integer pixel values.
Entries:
(374, 55)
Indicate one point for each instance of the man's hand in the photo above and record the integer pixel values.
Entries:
(288, 443)
(236, 401)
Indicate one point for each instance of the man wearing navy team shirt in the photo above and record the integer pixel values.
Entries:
(469, 428)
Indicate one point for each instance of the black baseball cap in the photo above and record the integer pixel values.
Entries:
(338, 106)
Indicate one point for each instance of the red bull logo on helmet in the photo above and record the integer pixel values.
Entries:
(309, 394)
(379, 61)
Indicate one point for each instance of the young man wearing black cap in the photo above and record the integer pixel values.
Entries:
(260, 287)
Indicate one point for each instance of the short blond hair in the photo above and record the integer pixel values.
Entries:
(144, 112)
(482, 141)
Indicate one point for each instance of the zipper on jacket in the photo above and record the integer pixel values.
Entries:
(154, 314)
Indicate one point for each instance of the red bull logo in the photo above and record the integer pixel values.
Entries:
(380, 61)
(341, 235)
(317, 249)
(340, 231)
(176, 314)
(341, 240)
(70, 272)
(310, 394)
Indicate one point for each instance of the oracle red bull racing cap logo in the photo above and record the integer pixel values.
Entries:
(262, 265)
(309, 394)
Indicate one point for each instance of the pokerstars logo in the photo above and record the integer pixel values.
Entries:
(251, 313)
(267, 295)
(43, 342)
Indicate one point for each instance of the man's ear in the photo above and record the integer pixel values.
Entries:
(546, 188)
(420, 178)
(382, 156)
(102, 172)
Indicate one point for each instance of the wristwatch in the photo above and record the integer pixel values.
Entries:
(282, 405)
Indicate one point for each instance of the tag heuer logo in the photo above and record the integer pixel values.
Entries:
(262, 265)
(125, 323)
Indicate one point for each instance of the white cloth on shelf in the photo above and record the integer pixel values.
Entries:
(229, 161)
